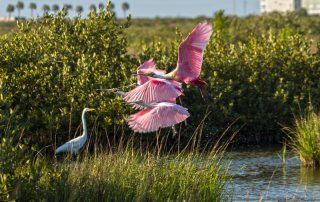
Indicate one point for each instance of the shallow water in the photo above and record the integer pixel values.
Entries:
(261, 174)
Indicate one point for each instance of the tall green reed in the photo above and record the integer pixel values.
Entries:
(305, 137)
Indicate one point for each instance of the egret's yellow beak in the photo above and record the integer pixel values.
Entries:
(90, 109)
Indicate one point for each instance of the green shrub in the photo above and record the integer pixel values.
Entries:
(50, 70)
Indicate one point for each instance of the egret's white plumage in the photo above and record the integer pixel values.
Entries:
(75, 144)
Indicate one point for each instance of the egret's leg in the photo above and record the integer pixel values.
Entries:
(74, 155)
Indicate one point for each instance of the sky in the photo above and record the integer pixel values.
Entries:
(148, 8)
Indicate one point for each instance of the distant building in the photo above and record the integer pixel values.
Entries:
(267, 6)
(312, 6)
(7, 19)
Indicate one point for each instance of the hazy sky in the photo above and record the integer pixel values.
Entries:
(150, 8)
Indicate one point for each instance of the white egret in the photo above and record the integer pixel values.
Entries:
(75, 144)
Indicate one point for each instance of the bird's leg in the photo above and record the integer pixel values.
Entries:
(110, 90)
(74, 155)
(174, 131)
(141, 103)
(115, 90)
(204, 94)
(185, 121)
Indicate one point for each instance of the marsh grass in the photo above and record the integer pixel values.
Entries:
(127, 171)
(305, 138)
(131, 176)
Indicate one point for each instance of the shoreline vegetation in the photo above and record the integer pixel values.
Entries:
(126, 172)
(260, 71)
(304, 137)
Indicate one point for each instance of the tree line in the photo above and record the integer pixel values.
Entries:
(55, 8)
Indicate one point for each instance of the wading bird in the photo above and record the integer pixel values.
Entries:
(190, 56)
(156, 116)
(75, 144)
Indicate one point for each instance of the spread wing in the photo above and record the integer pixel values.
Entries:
(162, 116)
(147, 67)
(191, 52)
(155, 90)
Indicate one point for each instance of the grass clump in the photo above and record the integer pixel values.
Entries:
(305, 138)
(125, 175)
(130, 176)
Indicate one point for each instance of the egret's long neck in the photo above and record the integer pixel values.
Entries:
(85, 131)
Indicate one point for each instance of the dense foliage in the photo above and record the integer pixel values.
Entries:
(259, 70)
(50, 70)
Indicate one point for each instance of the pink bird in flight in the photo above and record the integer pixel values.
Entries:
(190, 56)
(150, 90)
(157, 91)
(156, 116)
(153, 89)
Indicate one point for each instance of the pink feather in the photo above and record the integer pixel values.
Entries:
(163, 115)
(191, 53)
(147, 67)
(155, 90)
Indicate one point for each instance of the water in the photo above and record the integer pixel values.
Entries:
(261, 174)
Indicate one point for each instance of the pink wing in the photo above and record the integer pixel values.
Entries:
(147, 67)
(162, 116)
(191, 52)
(155, 90)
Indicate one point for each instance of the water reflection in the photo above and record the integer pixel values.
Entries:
(263, 175)
(309, 176)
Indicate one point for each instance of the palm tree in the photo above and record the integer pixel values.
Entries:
(10, 9)
(79, 9)
(45, 8)
(112, 6)
(67, 7)
(32, 7)
(55, 8)
(20, 6)
(93, 7)
(101, 6)
(125, 7)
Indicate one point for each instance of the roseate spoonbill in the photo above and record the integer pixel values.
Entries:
(190, 56)
(151, 89)
(155, 90)
(75, 144)
(148, 66)
(156, 116)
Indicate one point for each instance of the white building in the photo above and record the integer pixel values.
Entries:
(279, 5)
(312, 6)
